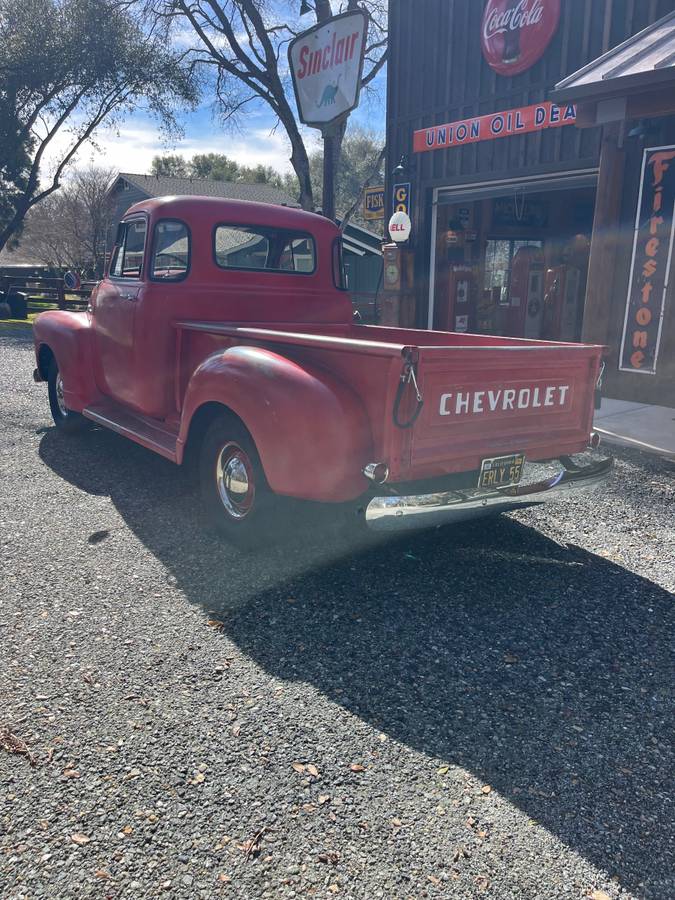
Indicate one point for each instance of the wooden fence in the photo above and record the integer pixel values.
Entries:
(31, 294)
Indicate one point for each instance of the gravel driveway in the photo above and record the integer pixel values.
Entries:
(484, 711)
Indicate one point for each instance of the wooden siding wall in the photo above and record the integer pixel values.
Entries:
(437, 74)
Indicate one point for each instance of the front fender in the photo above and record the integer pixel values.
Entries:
(69, 336)
(310, 429)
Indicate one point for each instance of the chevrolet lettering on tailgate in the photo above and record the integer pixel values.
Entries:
(476, 402)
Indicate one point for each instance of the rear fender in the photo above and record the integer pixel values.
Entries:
(69, 336)
(311, 430)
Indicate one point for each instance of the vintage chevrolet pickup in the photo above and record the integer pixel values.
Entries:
(223, 332)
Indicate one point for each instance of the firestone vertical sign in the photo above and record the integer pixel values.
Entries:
(651, 263)
(326, 64)
(515, 33)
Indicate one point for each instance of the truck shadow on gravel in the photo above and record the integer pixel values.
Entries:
(540, 668)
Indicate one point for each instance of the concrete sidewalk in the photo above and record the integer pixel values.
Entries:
(649, 428)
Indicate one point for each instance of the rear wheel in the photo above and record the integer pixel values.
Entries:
(65, 419)
(237, 499)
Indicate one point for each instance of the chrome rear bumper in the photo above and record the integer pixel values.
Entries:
(573, 476)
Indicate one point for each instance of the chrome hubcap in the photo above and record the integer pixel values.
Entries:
(61, 403)
(234, 479)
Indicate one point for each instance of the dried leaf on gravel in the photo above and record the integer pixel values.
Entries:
(397, 823)
(70, 773)
(101, 873)
(482, 883)
(486, 789)
(434, 880)
(299, 767)
(357, 767)
(13, 744)
(599, 895)
(323, 798)
(80, 839)
(198, 778)
(215, 623)
(224, 879)
(252, 846)
(312, 769)
(443, 770)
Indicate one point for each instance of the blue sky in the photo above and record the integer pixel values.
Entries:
(131, 146)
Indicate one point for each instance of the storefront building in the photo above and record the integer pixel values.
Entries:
(518, 228)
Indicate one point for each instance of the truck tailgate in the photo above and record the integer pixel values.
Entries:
(482, 401)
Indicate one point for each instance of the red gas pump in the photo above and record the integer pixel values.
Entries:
(563, 301)
(526, 294)
(458, 313)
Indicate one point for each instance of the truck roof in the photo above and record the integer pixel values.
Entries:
(241, 212)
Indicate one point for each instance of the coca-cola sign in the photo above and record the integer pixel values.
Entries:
(515, 33)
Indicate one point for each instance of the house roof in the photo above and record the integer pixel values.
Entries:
(161, 186)
(646, 60)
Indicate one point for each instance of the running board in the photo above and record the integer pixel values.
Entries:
(146, 432)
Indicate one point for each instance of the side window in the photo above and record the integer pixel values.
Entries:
(134, 245)
(128, 259)
(118, 254)
(170, 250)
(257, 247)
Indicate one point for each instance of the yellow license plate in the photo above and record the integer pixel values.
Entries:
(501, 471)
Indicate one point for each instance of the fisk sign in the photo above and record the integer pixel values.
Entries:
(326, 64)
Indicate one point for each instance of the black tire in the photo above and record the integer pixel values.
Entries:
(236, 498)
(66, 420)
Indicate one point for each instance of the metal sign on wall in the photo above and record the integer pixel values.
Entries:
(651, 263)
(515, 33)
(401, 197)
(373, 204)
(506, 123)
(326, 65)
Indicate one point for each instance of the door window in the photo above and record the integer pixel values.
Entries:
(128, 259)
(171, 250)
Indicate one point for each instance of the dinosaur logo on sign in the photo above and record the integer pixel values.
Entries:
(330, 93)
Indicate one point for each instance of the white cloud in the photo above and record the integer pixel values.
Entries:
(132, 149)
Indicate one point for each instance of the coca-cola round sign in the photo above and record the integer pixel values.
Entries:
(515, 33)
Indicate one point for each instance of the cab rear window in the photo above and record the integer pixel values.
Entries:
(254, 247)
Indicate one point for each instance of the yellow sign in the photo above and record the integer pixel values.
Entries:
(373, 205)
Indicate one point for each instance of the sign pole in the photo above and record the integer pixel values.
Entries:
(329, 173)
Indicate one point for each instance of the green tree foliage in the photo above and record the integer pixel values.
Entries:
(66, 68)
(216, 167)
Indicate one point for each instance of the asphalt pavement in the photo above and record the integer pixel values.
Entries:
(483, 711)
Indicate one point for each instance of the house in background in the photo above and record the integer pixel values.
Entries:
(362, 248)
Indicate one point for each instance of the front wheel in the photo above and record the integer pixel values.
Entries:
(237, 499)
(65, 419)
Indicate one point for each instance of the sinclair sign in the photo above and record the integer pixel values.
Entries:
(515, 33)
(326, 64)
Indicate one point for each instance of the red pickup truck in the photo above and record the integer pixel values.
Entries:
(223, 332)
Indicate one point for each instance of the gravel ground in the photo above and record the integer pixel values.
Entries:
(482, 711)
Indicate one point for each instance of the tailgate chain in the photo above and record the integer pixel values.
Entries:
(407, 377)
